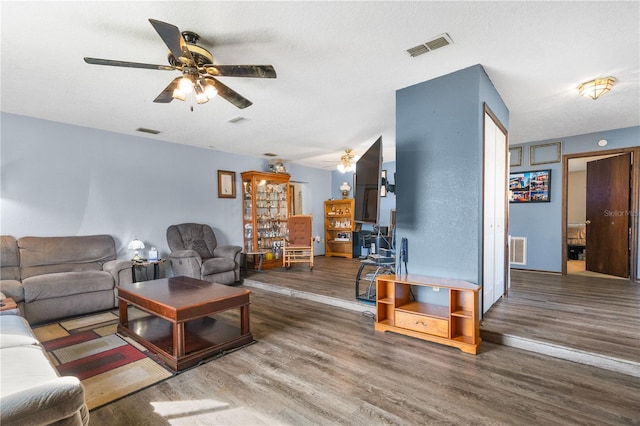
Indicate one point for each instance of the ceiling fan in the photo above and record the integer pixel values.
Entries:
(195, 63)
(347, 163)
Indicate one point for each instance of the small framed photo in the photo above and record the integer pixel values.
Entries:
(226, 184)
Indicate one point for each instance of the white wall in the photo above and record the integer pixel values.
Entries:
(577, 197)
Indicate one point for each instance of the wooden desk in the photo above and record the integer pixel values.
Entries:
(181, 329)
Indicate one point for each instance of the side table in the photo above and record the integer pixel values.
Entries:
(7, 304)
(146, 264)
(260, 254)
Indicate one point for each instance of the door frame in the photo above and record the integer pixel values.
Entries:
(635, 181)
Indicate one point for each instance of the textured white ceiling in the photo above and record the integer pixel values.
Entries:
(338, 63)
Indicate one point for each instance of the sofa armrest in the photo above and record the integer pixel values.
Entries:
(12, 289)
(181, 254)
(49, 402)
(227, 251)
(120, 270)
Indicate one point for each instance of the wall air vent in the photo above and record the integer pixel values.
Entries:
(517, 250)
(144, 130)
(270, 154)
(433, 44)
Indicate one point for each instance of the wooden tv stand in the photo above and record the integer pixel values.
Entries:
(455, 324)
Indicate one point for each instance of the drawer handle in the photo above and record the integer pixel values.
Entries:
(420, 323)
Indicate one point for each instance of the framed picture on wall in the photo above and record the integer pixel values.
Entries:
(515, 157)
(530, 187)
(226, 184)
(545, 153)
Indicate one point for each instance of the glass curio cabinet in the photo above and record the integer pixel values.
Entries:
(265, 209)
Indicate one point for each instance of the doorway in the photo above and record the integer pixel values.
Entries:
(599, 226)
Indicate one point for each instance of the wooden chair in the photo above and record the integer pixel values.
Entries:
(298, 246)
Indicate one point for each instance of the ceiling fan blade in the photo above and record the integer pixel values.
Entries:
(166, 95)
(255, 71)
(97, 61)
(172, 37)
(231, 95)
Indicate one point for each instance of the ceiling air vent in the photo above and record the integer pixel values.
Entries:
(145, 130)
(433, 44)
(235, 119)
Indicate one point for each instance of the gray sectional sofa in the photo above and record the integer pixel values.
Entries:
(31, 392)
(58, 277)
(50, 278)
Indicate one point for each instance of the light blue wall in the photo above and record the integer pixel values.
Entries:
(58, 179)
(541, 223)
(439, 177)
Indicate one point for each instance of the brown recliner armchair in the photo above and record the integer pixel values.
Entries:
(195, 253)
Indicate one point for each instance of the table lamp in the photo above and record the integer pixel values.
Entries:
(136, 245)
(345, 188)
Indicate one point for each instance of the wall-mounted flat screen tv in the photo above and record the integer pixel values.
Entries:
(367, 184)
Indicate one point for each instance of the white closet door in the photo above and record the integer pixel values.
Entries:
(494, 235)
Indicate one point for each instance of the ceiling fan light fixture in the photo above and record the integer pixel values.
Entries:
(185, 85)
(595, 88)
(209, 88)
(201, 97)
(346, 162)
(179, 95)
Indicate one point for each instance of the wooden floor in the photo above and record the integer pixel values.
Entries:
(314, 364)
(595, 314)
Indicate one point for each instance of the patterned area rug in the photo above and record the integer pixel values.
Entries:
(109, 365)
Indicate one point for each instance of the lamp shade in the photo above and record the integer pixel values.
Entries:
(135, 244)
(595, 88)
(345, 188)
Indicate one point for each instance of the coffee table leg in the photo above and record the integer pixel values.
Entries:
(178, 340)
(244, 320)
(123, 313)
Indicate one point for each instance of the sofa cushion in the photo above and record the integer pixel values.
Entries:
(9, 258)
(44, 255)
(15, 331)
(192, 236)
(51, 286)
(215, 265)
(31, 392)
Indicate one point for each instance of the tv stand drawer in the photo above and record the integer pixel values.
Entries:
(422, 323)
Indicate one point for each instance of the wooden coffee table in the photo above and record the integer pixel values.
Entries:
(181, 329)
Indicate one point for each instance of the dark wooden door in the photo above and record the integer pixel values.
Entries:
(608, 215)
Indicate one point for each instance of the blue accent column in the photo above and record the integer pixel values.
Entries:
(439, 149)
